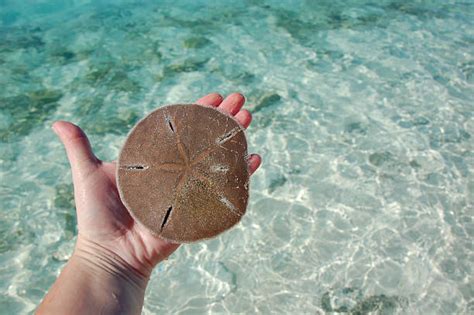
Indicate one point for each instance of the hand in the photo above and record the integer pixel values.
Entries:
(105, 228)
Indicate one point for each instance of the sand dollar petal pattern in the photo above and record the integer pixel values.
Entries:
(183, 172)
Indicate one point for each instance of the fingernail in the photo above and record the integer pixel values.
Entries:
(54, 128)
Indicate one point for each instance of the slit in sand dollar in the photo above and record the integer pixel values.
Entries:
(183, 174)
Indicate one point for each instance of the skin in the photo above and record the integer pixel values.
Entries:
(114, 255)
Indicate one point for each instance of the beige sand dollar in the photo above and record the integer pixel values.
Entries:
(183, 172)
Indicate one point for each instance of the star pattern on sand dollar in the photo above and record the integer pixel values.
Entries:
(186, 167)
(196, 178)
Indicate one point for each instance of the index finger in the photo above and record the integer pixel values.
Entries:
(213, 99)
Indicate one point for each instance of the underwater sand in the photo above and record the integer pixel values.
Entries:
(363, 113)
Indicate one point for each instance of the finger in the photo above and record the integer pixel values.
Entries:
(244, 117)
(78, 148)
(254, 162)
(232, 103)
(213, 99)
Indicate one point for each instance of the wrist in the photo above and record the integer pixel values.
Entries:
(105, 264)
(96, 280)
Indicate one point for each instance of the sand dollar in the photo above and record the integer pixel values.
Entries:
(183, 174)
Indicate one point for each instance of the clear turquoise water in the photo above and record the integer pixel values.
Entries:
(363, 112)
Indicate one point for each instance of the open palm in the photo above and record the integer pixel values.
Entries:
(103, 221)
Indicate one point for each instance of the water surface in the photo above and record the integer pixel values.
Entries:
(362, 113)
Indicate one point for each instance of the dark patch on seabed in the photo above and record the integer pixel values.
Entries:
(13, 236)
(267, 101)
(196, 42)
(64, 200)
(103, 123)
(26, 111)
(64, 196)
(379, 158)
(15, 39)
(323, 17)
(355, 304)
(276, 183)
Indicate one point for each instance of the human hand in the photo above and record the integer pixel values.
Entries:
(106, 231)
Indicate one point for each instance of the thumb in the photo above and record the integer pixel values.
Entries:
(78, 148)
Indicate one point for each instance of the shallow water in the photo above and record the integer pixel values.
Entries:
(362, 112)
